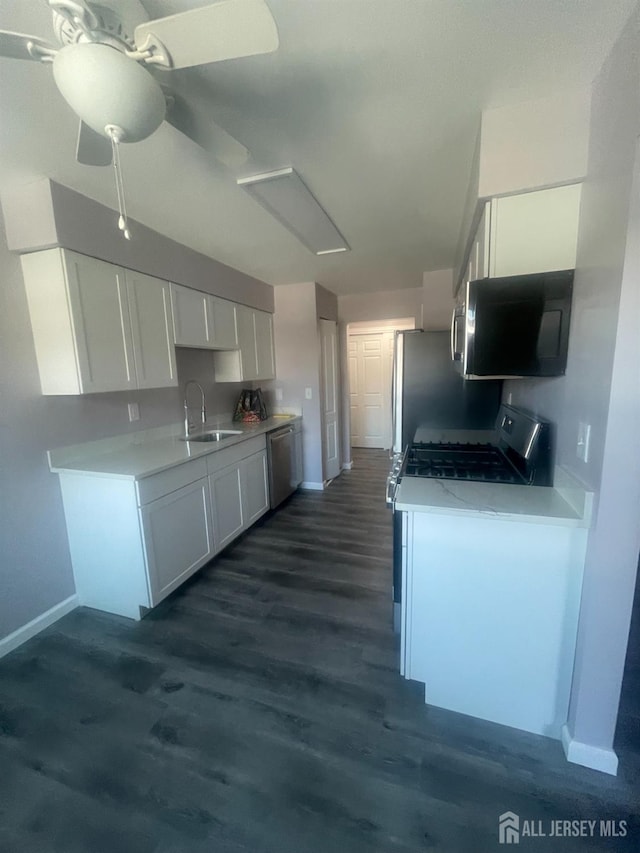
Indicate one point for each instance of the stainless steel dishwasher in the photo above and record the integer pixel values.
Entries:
(280, 452)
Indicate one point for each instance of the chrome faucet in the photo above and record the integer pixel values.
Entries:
(188, 425)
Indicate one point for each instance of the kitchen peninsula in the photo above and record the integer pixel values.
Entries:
(492, 575)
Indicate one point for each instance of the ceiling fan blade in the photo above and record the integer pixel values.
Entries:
(225, 30)
(206, 133)
(21, 46)
(92, 148)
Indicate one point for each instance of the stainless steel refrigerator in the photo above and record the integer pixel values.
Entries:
(428, 390)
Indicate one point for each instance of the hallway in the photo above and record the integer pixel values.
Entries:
(260, 709)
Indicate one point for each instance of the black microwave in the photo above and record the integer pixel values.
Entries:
(513, 326)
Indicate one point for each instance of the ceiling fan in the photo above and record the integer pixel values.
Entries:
(108, 48)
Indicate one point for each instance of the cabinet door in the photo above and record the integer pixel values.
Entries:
(178, 537)
(223, 314)
(226, 505)
(255, 487)
(535, 232)
(265, 362)
(150, 309)
(247, 342)
(191, 327)
(297, 463)
(101, 324)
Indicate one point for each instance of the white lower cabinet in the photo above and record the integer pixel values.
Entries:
(297, 464)
(226, 502)
(239, 488)
(255, 486)
(132, 542)
(490, 615)
(178, 537)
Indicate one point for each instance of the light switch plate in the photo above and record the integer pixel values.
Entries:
(584, 437)
(279, 395)
(134, 411)
(308, 393)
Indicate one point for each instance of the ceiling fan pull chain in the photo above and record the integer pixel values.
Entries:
(115, 134)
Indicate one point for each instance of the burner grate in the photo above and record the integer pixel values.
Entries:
(475, 462)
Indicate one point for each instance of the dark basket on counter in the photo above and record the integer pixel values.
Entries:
(250, 407)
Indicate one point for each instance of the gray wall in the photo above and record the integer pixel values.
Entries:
(35, 568)
(326, 304)
(382, 305)
(45, 214)
(602, 388)
(297, 348)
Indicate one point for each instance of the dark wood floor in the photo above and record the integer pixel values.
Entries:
(260, 709)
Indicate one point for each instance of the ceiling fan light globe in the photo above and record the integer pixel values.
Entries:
(105, 87)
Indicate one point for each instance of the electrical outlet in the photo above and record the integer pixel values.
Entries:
(584, 437)
(134, 412)
(308, 393)
(279, 395)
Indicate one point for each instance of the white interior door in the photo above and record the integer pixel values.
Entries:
(370, 364)
(329, 355)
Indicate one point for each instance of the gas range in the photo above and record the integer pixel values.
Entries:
(519, 454)
(459, 461)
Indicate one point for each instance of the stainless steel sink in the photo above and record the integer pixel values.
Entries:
(212, 435)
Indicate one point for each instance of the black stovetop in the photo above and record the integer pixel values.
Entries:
(481, 462)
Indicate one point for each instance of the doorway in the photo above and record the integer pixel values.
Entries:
(370, 362)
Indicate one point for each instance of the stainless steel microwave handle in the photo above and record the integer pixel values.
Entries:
(458, 311)
(453, 334)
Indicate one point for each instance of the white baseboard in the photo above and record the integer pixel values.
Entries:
(17, 638)
(347, 466)
(595, 757)
(319, 487)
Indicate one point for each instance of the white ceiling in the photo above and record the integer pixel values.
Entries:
(376, 103)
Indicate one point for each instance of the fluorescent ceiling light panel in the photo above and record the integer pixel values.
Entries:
(285, 195)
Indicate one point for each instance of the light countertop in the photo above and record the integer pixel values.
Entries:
(136, 455)
(535, 504)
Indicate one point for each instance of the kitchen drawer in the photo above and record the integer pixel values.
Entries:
(232, 455)
(154, 487)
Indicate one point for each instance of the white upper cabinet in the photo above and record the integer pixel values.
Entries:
(265, 359)
(247, 342)
(225, 333)
(150, 311)
(203, 321)
(254, 358)
(526, 233)
(479, 257)
(80, 321)
(97, 327)
(191, 322)
(535, 232)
